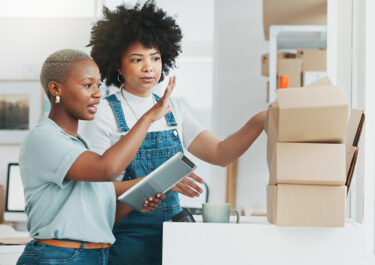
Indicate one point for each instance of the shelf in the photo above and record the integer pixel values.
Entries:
(291, 38)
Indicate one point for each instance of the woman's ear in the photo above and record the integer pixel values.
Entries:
(54, 88)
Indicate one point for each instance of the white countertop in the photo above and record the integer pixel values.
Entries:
(255, 241)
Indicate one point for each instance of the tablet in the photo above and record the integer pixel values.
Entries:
(161, 180)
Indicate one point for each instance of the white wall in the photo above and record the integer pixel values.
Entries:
(240, 93)
(26, 42)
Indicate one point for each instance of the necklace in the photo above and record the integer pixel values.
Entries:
(130, 107)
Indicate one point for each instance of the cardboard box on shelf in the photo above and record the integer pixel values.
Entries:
(293, 12)
(280, 55)
(291, 68)
(310, 114)
(306, 205)
(309, 77)
(313, 59)
(308, 163)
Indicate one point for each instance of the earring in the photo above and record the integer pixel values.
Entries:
(120, 78)
(57, 99)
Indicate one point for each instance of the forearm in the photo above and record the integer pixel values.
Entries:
(122, 210)
(119, 156)
(122, 186)
(211, 149)
(237, 144)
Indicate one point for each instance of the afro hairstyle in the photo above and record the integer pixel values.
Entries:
(120, 28)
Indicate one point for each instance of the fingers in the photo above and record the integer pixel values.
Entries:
(152, 202)
(188, 188)
(196, 177)
(169, 89)
(193, 185)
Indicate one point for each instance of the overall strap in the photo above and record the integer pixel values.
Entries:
(117, 111)
(169, 117)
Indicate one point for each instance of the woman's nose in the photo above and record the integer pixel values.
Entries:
(147, 66)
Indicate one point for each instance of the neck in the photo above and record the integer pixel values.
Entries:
(64, 121)
(142, 94)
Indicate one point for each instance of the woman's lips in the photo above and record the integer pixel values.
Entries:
(147, 79)
(92, 108)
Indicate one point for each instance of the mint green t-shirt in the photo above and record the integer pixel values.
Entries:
(57, 207)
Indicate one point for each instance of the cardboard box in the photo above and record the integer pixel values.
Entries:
(325, 81)
(308, 163)
(293, 12)
(309, 77)
(313, 59)
(310, 114)
(280, 55)
(306, 205)
(291, 68)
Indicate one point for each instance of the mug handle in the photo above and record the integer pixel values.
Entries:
(237, 215)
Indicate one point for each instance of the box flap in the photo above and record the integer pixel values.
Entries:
(355, 125)
(325, 81)
(311, 97)
(271, 203)
(351, 163)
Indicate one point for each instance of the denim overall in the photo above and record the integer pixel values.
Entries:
(139, 235)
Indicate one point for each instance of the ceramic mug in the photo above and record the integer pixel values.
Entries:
(217, 213)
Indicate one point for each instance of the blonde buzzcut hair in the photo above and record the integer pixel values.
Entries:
(56, 66)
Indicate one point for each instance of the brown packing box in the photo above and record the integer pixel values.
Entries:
(291, 68)
(313, 59)
(306, 205)
(308, 163)
(310, 114)
(280, 55)
(293, 12)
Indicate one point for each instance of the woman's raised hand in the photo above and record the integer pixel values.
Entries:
(162, 107)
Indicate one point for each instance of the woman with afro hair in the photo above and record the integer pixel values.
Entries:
(135, 47)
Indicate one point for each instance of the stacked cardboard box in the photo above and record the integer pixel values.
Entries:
(306, 130)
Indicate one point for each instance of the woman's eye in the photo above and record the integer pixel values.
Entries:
(156, 58)
(136, 60)
(88, 85)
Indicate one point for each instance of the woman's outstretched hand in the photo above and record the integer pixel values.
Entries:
(188, 187)
(151, 203)
(161, 108)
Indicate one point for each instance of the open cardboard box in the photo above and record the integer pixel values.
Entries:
(309, 114)
(306, 205)
(308, 163)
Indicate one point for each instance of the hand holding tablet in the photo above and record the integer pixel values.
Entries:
(160, 180)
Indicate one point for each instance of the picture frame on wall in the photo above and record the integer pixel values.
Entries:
(20, 109)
